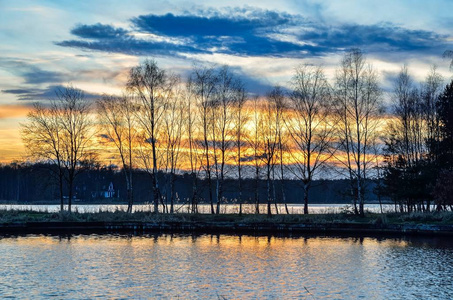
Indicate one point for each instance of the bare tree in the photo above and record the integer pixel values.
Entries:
(283, 146)
(203, 83)
(431, 89)
(254, 140)
(172, 135)
(62, 134)
(152, 86)
(119, 127)
(41, 137)
(239, 131)
(77, 132)
(406, 130)
(358, 105)
(310, 104)
(269, 135)
(191, 128)
(229, 90)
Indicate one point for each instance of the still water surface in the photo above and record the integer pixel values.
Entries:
(224, 267)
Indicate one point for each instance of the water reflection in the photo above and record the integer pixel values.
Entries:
(224, 267)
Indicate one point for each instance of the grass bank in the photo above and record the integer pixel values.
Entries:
(440, 223)
(12, 216)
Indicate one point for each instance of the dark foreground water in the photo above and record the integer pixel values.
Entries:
(224, 267)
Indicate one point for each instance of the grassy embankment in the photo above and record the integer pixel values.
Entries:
(16, 216)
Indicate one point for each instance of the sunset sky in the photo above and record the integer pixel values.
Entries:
(93, 44)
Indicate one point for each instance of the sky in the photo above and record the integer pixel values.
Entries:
(92, 44)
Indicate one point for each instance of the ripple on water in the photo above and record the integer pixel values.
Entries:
(230, 267)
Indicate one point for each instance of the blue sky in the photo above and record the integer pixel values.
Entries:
(92, 44)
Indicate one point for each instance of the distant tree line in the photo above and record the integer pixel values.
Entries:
(209, 128)
(34, 183)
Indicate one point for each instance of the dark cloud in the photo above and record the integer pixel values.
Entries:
(98, 31)
(191, 25)
(373, 37)
(117, 40)
(132, 46)
(31, 73)
(16, 91)
(35, 94)
(37, 76)
(248, 32)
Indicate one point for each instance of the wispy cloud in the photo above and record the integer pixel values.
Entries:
(31, 74)
(36, 94)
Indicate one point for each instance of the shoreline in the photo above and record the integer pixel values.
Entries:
(416, 224)
(348, 229)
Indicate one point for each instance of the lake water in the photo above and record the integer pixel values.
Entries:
(204, 208)
(224, 267)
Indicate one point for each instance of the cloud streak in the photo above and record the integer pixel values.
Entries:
(36, 94)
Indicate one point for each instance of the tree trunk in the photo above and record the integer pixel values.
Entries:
(172, 192)
(306, 189)
(194, 194)
(257, 198)
(360, 197)
(155, 193)
(70, 195)
(61, 191)
(219, 194)
(269, 199)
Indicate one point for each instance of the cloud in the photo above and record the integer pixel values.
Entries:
(384, 36)
(98, 31)
(246, 32)
(30, 73)
(215, 26)
(132, 46)
(251, 83)
(36, 94)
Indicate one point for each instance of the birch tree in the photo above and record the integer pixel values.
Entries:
(153, 86)
(358, 106)
(119, 128)
(203, 81)
(310, 105)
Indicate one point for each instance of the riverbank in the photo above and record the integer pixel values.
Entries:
(437, 223)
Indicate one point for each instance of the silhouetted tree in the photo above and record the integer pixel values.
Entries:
(357, 107)
(119, 127)
(445, 109)
(311, 106)
(62, 133)
(153, 86)
(203, 81)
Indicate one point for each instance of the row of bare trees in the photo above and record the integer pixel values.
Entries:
(211, 128)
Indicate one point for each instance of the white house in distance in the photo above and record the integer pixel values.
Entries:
(110, 192)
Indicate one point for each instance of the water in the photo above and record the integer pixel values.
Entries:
(204, 208)
(224, 267)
